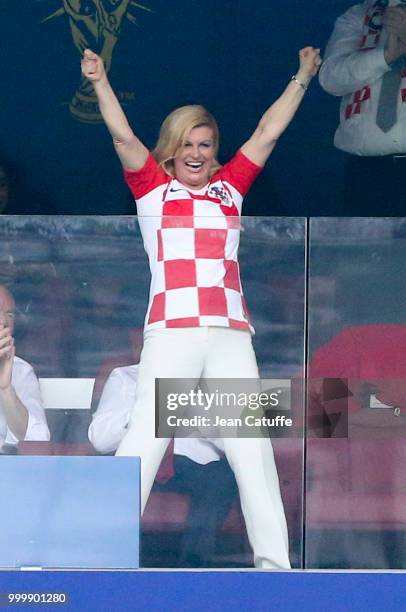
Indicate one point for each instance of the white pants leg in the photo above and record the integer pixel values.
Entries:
(213, 352)
(251, 459)
(252, 462)
(166, 353)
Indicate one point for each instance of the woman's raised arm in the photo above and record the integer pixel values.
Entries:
(131, 151)
(278, 116)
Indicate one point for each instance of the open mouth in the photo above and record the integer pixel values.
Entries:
(194, 165)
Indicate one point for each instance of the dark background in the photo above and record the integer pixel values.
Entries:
(235, 57)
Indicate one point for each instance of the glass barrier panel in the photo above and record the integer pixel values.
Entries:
(355, 494)
(78, 294)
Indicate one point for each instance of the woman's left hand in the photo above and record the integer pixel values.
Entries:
(310, 62)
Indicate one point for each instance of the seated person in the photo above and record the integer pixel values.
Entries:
(22, 416)
(200, 467)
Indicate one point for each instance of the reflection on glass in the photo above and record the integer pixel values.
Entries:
(80, 286)
(22, 414)
(357, 394)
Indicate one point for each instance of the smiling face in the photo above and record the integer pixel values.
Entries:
(194, 159)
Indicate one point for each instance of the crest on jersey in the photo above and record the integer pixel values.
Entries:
(218, 191)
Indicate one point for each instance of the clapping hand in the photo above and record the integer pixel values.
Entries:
(7, 352)
(395, 24)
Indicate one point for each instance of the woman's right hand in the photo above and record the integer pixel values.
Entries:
(130, 149)
(93, 67)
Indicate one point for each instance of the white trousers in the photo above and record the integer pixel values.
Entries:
(211, 352)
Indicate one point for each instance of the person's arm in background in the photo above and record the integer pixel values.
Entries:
(110, 420)
(16, 414)
(129, 148)
(20, 399)
(278, 116)
(347, 68)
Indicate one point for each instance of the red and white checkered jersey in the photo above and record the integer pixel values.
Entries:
(191, 238)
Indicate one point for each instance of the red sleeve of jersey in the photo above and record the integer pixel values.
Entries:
(240, 172)
(145, 179)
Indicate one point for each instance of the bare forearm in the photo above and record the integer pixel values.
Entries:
(278, 116)
(273, 123)
(15, 412)
(112, 113)
(131, 151)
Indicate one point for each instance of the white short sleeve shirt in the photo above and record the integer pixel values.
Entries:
(26, 386)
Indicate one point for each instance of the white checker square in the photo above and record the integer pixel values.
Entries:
(158, 279)
(210, 272)
(181, 303)
(234, 304)
(232, 243)
(151, 204)
(149, 227)
(209, 215)
(178, 243)
(211, 222)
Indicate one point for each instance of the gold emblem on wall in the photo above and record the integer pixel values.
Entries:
(96, 25)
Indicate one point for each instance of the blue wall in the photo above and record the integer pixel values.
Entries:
(235, 57)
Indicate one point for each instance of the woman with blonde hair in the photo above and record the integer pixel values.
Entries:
(174, 131)
(197, 324)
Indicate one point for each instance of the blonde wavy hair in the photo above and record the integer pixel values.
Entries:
(175, 130)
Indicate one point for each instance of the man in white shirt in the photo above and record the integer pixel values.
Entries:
(364, 63)
(200, 467)
(22, 416)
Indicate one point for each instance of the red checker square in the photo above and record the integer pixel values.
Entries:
(229, 211)
(184, 322)
(232, 277)
(245, 308)
(212, 301)
(177, 213)
(180, 273)
(160, 247)
(210, 243)
(157, 312)
(238, 324)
